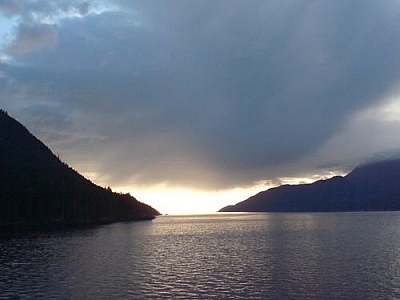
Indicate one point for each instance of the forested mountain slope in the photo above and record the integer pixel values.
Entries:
(370, 187)
(37, 189)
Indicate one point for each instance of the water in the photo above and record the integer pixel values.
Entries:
(222, 256)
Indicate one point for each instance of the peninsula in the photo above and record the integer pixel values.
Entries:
(38, 190)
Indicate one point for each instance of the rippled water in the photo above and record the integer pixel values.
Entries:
(222, 256)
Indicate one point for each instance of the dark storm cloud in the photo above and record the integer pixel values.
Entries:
(213, 93)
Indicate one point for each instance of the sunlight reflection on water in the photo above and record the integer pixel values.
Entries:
(223, 256)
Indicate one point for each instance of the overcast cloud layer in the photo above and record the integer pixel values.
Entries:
(204, 94)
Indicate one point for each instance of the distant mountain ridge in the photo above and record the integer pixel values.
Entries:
(370, 187)
(37, 189)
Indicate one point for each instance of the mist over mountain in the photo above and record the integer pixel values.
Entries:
(38, 189)
(374, 186)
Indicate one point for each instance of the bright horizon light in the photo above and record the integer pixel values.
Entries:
(182, 201)
(185, 201)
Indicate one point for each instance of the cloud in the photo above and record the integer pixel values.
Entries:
(10, 7)
(37, 21)
(32, 38)
(43, 10)
(209, 94)
(369, 133)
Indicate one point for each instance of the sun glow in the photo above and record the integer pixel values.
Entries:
(169, 200)
(173, 200)
(185, 201)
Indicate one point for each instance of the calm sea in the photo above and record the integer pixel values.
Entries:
(221, 256)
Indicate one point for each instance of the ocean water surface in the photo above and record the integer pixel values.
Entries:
(220, 256)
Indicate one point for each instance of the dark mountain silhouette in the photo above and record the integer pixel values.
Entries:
(37, 189)
(370, 187)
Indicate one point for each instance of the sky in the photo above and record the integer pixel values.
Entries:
(194, 105)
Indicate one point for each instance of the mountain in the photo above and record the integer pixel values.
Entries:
(37, 189)
(370, 187)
